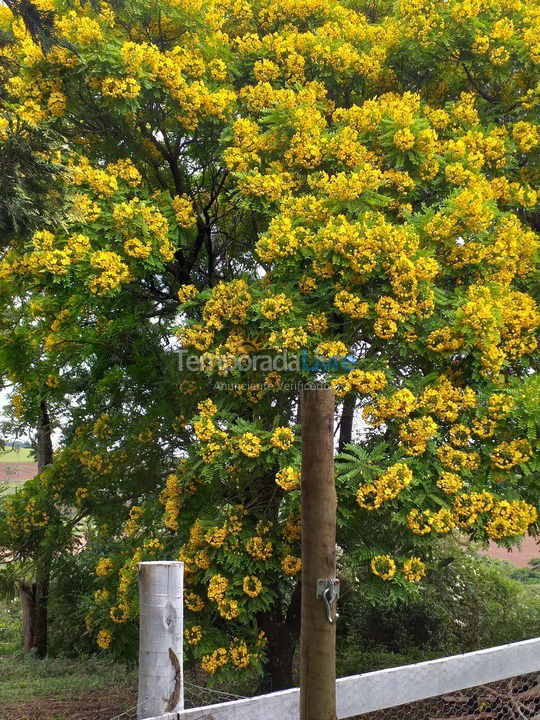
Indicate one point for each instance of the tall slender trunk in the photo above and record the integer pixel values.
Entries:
(27, 595)
(283, 634)
(35, 596)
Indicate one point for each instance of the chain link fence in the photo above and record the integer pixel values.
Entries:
(517, 698)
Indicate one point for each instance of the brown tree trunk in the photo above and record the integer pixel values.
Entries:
(282, 634)
(44, 438)
(27, 595)
(347, 421)
(35, 597)
(319, 504)
(41, 606)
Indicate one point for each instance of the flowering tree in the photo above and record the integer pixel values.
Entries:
(295, 191)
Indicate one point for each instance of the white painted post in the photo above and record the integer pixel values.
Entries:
(161, 680)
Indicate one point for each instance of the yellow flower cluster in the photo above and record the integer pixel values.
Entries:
(187, 293)
(508, 455)
(398, 405)
(183, 211)
(363, 382)
(449, 483)
(351, 305)
(415, 434)
(371, 496)
(331, 349)
(414, 569)
(193, 635)
(250, 445)
(457, 460)
(291, 565)
(510, 519)
(282, 438)
(104, 567)
(230, 301)
(276, 306)
(288, 478)
(288, 339)
(252, 586)
(239, 654)
(170, 499)
(114, 272)
(383, 566)
(217, 587)
(104, 638)
(259, 548)
(212, 662)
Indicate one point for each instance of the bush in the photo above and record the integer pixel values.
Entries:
(10, 627)
(470, 602)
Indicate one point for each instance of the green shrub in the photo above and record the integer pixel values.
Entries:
(469, 602)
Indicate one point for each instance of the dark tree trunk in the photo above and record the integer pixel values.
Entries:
(44, 439)
(35, 597)
(347, 421)
(41, 607)
(27, 595)
(283, 634)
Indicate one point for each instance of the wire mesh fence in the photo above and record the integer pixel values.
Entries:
(517, 698)
(194, 696)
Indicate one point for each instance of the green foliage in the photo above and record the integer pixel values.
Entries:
(470, 602)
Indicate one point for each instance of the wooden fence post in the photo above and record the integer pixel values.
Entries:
(319, 504)
(161, 681)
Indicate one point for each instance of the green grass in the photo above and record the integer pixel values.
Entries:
(17, 455)
(28, 677)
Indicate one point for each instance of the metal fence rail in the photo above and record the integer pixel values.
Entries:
(368, 694)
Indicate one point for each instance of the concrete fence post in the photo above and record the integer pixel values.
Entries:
(161, 680)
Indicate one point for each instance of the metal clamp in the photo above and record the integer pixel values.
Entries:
(328, 590)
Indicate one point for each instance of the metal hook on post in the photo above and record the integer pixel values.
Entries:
(328, 590)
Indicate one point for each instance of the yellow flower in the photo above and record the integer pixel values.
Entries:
(276, 306)
(250, 445)
(119, 613)
(104, 639)
(258, 548)
(282, 438)
(414, 569)
(212, 662)
(104, 567)
(228, 609)
(383, 566)
(288, 478)
(449, 483)
(291, 565)
(252, 586)
(193, 635)
(217, 587)
(193, 601)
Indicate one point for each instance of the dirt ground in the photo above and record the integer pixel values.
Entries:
(91, 705)
(17, 472)
(530, 549)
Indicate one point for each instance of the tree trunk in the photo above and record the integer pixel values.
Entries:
(41, 605)
(35, 597)
(44, 438)
(27, 595)
(347, 421)
(282, 634)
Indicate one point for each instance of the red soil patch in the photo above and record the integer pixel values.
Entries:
(520, 557)
(17, 472)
